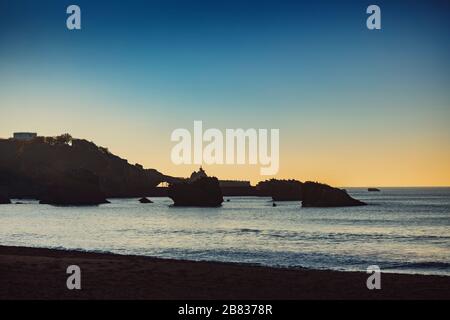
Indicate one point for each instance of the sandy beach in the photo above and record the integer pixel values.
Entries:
(33, 273)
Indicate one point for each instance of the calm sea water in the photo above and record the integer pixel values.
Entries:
(401, 230)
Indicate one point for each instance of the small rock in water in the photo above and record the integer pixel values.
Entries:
(145, 200)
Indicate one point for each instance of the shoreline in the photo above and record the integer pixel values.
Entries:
(233, 263)
(38, 273)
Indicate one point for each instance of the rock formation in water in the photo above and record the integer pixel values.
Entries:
(70, 171)
(145, 200)
(311, 194)
(31, 169)
(373, 189)
(281, 190)
(74, 188)
(202, 192)
(321, 195)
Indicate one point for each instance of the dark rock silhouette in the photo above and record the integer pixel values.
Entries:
(4, 200)
(311, 194)
(202, 192)
(145, 200)
(29, 168)
(75, 188)
(66, 171)
(281, 190)
(321, 195)
(373, 189)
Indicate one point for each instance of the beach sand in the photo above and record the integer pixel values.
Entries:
(33, 273)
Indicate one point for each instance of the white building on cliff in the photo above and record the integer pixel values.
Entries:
(24, 136)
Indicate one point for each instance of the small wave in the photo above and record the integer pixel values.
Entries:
(249, 230)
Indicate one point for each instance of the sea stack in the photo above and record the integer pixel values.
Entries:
(74, 188)
(281, 190)
(198, 191)
(321, 195)
(373, 190)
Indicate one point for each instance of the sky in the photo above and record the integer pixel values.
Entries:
(355, 107)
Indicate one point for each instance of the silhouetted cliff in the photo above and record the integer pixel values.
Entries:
(31, 169)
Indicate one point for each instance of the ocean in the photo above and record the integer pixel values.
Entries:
(402, 230)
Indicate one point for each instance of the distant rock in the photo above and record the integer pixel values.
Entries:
(321, 195)
(373, 189)
(74, 188)
(281, 190)
(311, 194)
(202, 192)
(4, 200)
(145, 200)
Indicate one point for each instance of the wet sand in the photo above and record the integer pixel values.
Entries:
(33, 273)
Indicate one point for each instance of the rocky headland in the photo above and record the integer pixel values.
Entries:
(65, 171)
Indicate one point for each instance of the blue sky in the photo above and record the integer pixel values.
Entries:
(144, 68)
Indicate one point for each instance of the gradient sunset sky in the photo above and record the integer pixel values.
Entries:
(354, 107)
